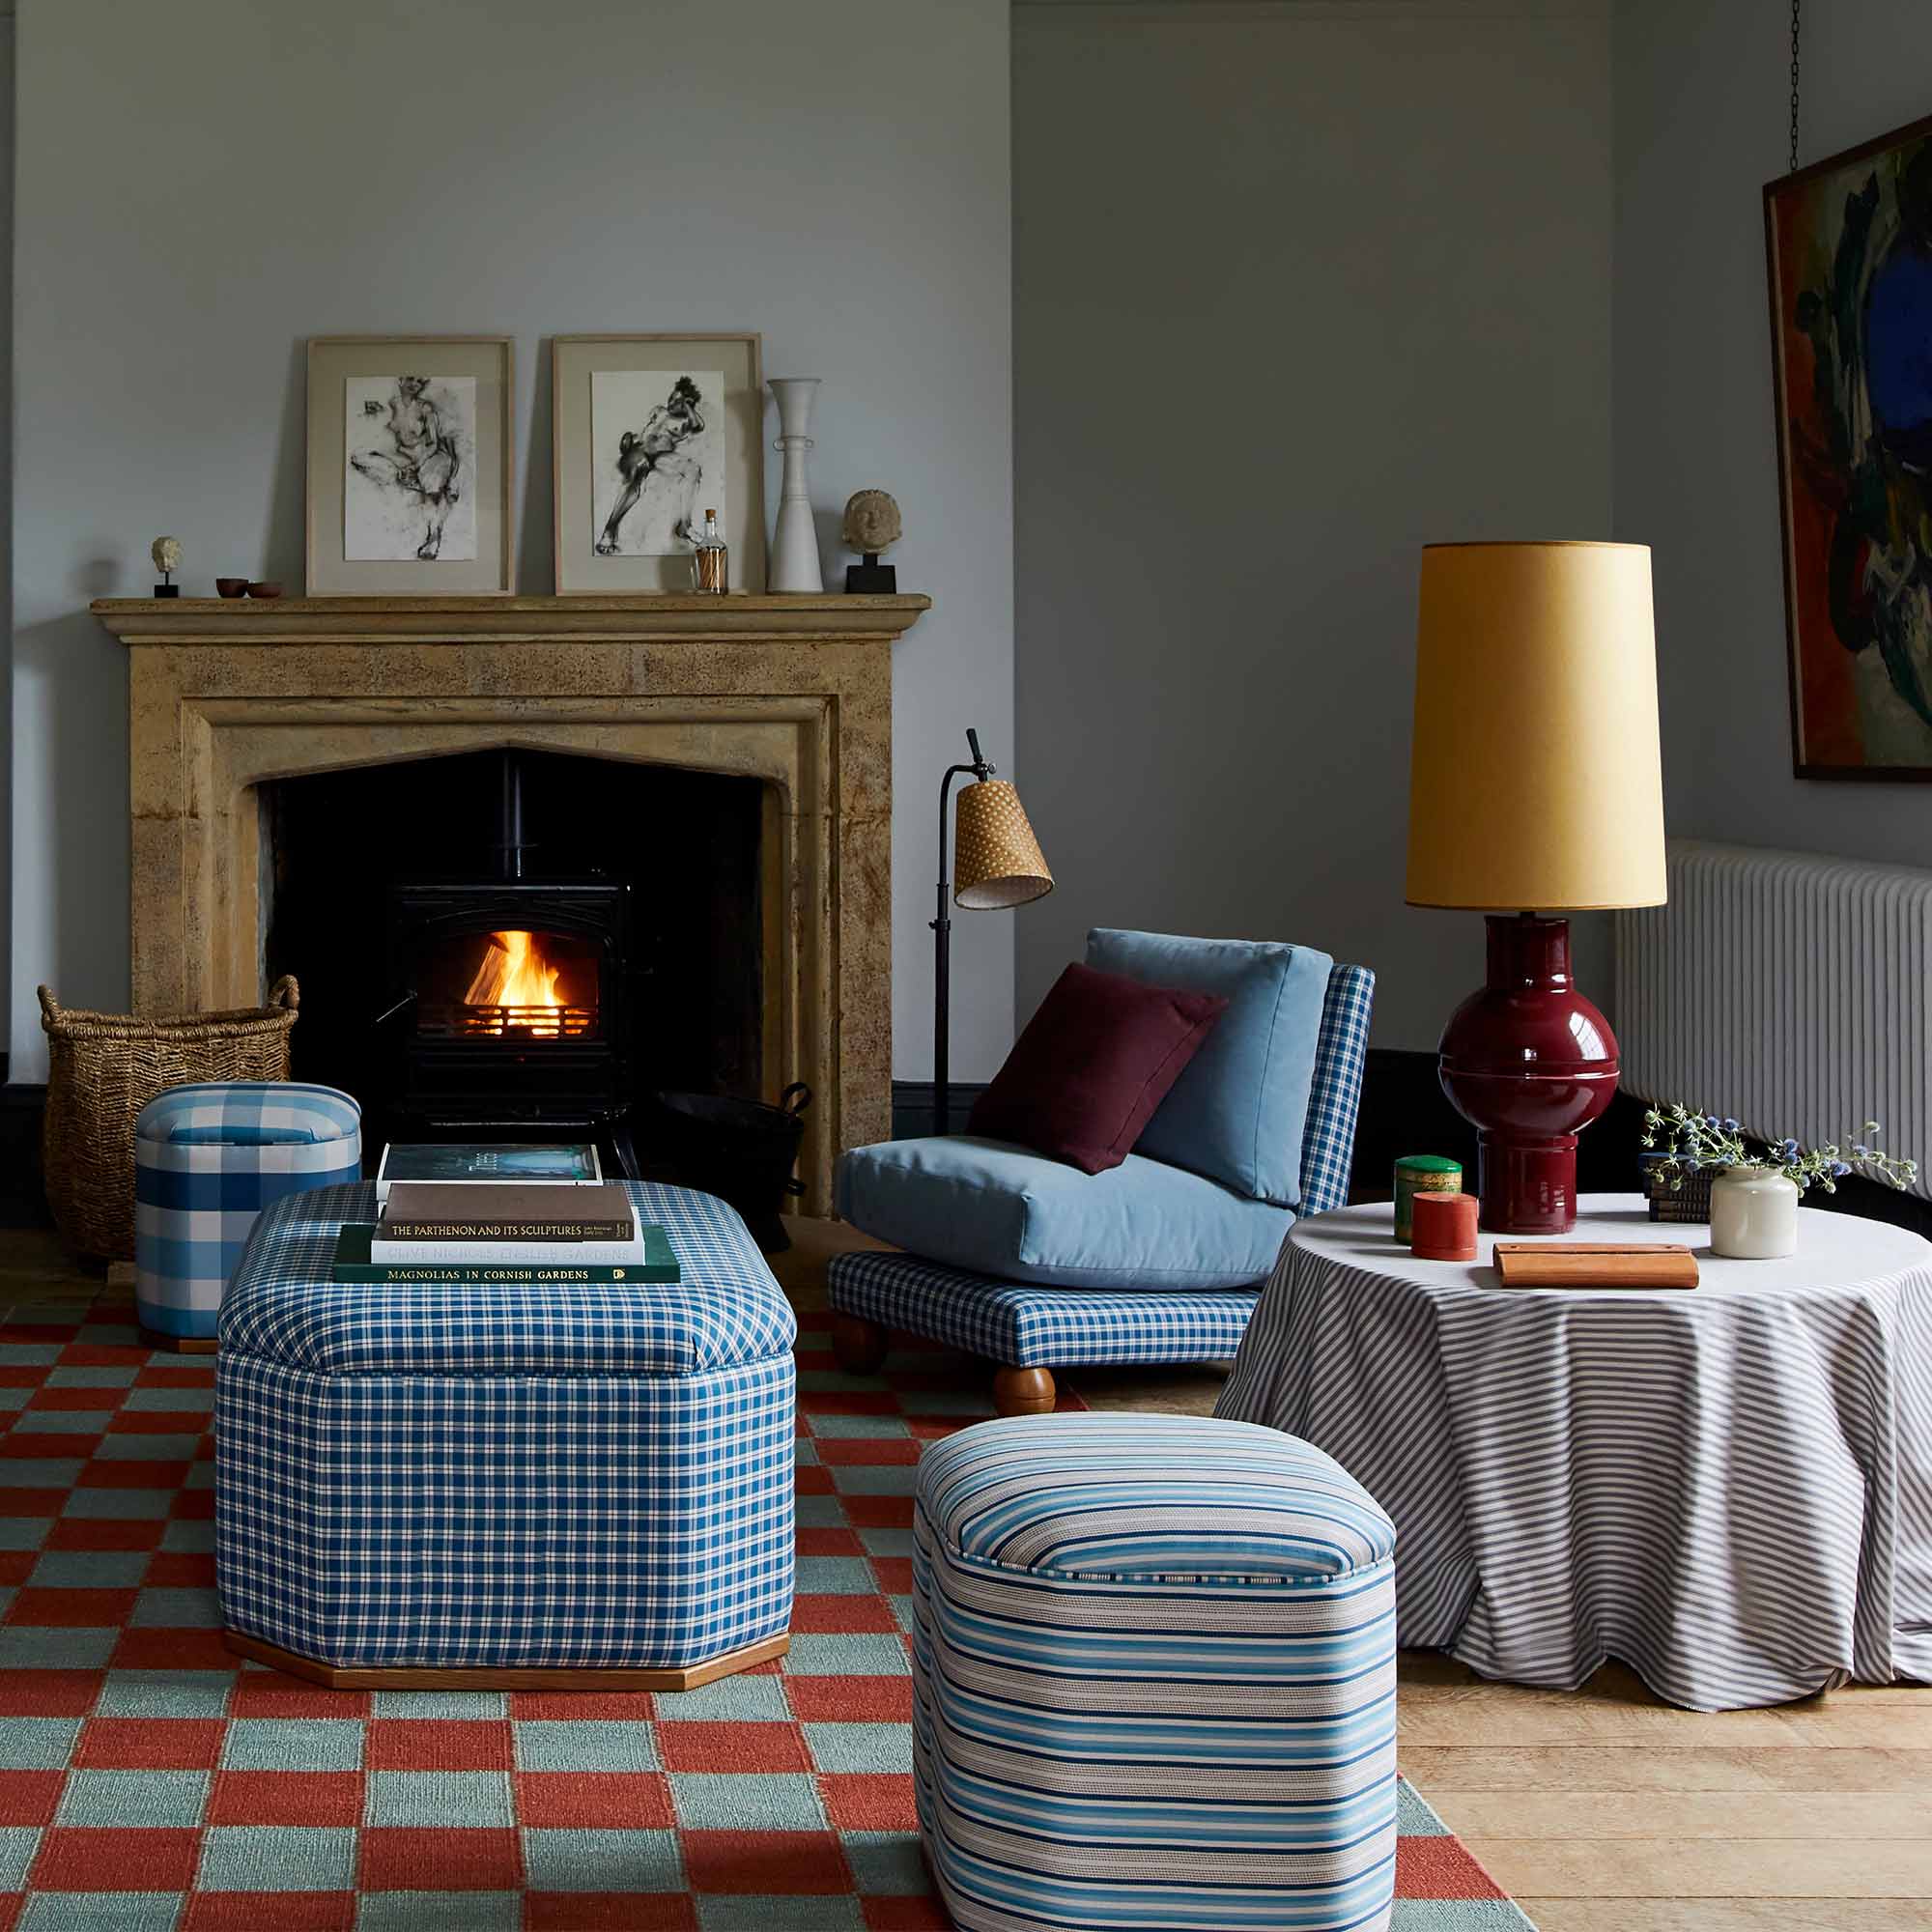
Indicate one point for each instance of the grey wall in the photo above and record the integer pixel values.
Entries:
(202, 187)
(1701, 109)
(1298, 289)
(6, 498)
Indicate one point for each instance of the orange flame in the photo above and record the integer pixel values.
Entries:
(514, 973)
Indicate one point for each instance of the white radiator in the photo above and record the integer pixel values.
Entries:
(1786, 989)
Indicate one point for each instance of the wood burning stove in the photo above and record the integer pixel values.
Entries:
(512, 1007)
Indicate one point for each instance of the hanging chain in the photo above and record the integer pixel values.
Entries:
(1794, 85)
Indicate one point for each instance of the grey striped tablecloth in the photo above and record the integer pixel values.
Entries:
(1729, 1488)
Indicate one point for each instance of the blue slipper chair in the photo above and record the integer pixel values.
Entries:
(1038, 1266)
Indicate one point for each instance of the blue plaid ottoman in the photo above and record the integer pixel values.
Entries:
(1154, 1679)
(508, 1486)
(207, 1161)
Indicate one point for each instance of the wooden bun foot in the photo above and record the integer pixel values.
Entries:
(858, 1344)
(180, 1345)
(1023, 1391)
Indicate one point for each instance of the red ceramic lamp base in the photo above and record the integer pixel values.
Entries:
(1528, 1062)
(1527, 1187)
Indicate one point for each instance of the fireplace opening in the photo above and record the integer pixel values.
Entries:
(505, 943)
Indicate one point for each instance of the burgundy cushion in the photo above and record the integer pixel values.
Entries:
(1092, 1064)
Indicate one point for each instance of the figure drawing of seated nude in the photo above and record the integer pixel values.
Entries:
(658, 451)
(421, 459)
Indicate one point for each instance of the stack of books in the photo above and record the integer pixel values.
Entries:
(558, 1222)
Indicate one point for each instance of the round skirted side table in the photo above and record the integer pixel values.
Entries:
(1728, 1488)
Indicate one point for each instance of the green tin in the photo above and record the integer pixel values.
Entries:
(1422, 1174)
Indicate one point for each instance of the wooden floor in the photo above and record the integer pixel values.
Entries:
(1604, 1810)
(1600, 1810)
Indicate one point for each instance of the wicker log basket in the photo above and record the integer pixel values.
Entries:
(106, 1068)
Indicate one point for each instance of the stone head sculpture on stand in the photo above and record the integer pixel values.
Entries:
(167, 555)
(872, 524)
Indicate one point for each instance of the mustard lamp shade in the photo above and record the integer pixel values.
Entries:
(997, 861)
(1534, 783)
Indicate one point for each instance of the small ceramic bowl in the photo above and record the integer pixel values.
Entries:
(264, 590)
(231, 586)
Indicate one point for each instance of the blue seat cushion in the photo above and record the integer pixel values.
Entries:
(1239, 1110)
(1004, 1211)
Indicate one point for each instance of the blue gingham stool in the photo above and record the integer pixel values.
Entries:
(1154, 1679)
(207, 1161)
(505, 1483)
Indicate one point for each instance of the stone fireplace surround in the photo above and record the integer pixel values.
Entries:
(795, 691)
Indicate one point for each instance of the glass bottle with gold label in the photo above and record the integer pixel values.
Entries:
(710, 560)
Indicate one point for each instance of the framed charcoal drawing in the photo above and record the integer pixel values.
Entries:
(1848, 244)
(651, 432)
(409, 465)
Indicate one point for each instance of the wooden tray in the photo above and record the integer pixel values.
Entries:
(1596, 1265)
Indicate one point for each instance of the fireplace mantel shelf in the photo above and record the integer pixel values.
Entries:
(468, 620)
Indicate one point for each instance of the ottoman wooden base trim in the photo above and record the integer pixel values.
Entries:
(563, 1677)
(180, 1345)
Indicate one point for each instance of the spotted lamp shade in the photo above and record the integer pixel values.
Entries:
(998, 860)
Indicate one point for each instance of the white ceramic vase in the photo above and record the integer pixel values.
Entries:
(794, 564)
(1753, 1215)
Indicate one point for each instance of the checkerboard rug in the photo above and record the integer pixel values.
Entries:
(148, 1783)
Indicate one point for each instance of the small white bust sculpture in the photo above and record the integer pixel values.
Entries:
(871, 521)
(167, 555)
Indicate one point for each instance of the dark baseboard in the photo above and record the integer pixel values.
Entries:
(1404, 1111)
(1875, 1202)
(23, 1199)
(913, 1107)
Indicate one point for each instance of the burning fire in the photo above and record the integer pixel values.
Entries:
(515, 975)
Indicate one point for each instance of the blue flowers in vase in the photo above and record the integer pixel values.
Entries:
(1686, 1143)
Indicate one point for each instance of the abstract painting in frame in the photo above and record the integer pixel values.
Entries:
(409, 465)
(651, 432)
(1850, 253)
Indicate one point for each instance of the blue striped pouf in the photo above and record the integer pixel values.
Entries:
(1153, 1678)
(207, 1161)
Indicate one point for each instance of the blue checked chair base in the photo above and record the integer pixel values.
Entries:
(502, 1485)
(1030, 1330)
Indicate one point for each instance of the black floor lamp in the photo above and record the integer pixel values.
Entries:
(1000, 865)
